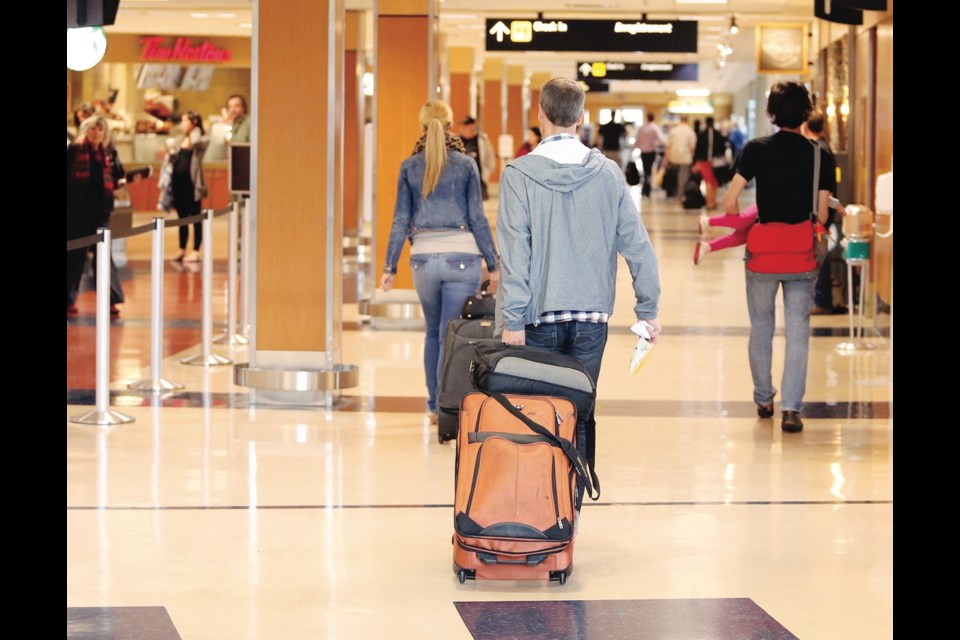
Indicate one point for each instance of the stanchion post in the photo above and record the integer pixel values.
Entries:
(245, 268)
(206, 358)
(155, 382)
(102, 415)
(231, 336)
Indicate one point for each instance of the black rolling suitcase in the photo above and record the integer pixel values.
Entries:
(462, 336)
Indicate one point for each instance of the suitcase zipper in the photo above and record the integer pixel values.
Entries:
(556, 499)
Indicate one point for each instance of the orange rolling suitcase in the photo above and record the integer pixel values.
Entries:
(516, 476)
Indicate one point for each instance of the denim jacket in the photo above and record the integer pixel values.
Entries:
(455, 203)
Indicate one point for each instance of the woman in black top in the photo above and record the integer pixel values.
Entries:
(186, 181)
(783, 166)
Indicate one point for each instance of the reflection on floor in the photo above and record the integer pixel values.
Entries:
(211, 518)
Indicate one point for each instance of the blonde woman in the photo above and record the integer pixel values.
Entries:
(93, 172)
(440, 210)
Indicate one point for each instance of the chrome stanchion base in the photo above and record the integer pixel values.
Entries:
(159, 384)
(213, 360)
(850, 347)
(234, 339)
(103, 418)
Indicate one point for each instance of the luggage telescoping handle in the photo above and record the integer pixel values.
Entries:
(589, 476)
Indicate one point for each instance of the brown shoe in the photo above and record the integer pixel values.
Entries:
(820, 311)
(791, 422)
(765, 410)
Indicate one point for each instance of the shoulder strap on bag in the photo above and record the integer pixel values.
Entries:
(588, 475)
(816, 181)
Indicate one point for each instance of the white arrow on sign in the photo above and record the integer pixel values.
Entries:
(500, 30)
(586, 68)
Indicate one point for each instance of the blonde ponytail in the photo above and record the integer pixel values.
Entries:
(435, 118)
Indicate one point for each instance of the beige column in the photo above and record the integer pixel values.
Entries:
(491, 109)
(515, 127)
(462, 93)
(406, 78)
(296, 206)
(353, 118)
(537, 80)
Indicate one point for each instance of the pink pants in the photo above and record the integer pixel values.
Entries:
(740, 224)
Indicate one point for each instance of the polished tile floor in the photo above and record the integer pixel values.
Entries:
(209, 519)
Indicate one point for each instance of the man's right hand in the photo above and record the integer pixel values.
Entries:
(515, 337)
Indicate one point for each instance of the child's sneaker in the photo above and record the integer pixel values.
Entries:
(700, 252)
(704, 223)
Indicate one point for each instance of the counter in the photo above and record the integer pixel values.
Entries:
(144, 193)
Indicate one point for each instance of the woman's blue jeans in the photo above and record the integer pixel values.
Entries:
(761, 304)
(443, 281)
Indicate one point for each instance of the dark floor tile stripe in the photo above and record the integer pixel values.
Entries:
(680, 619)
(120, 623)
(342, 507)
(404, 404)
(677, 619)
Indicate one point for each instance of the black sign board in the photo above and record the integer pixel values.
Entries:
(637, 71)
(596, 86)
(239, 168)
(675, 36)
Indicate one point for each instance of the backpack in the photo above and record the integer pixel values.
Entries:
(692, 197)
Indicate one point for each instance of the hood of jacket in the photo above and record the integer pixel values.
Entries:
(563, 178)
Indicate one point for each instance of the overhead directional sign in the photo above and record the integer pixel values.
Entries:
(674, 36)
(637, 71)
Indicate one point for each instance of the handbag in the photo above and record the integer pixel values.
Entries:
(481, 305)
(789, 249)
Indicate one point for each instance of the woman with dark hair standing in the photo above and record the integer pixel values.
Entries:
(182, 177)
(439, 208)
(780, 246)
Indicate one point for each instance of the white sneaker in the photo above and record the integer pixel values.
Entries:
(700, 252)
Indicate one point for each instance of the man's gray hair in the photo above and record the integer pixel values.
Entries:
(562, 101)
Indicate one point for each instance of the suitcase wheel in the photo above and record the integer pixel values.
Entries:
(447, 425)
(466, 574)
(559, 576)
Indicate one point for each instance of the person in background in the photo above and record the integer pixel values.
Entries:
(530, 143)
(780, 245)
(681, 141)
(649, 139)
(565, 214)
(611, 137)
(236, 116)
(823, 294)
(81, 113)
(710, 145)
(736, 139)
(477, 145)
(439, 208)
(181, 181)
(93, 173)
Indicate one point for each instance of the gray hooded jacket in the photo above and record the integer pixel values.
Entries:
(560, 228)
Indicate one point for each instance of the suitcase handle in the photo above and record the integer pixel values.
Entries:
(587, 474)
(490, 558)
